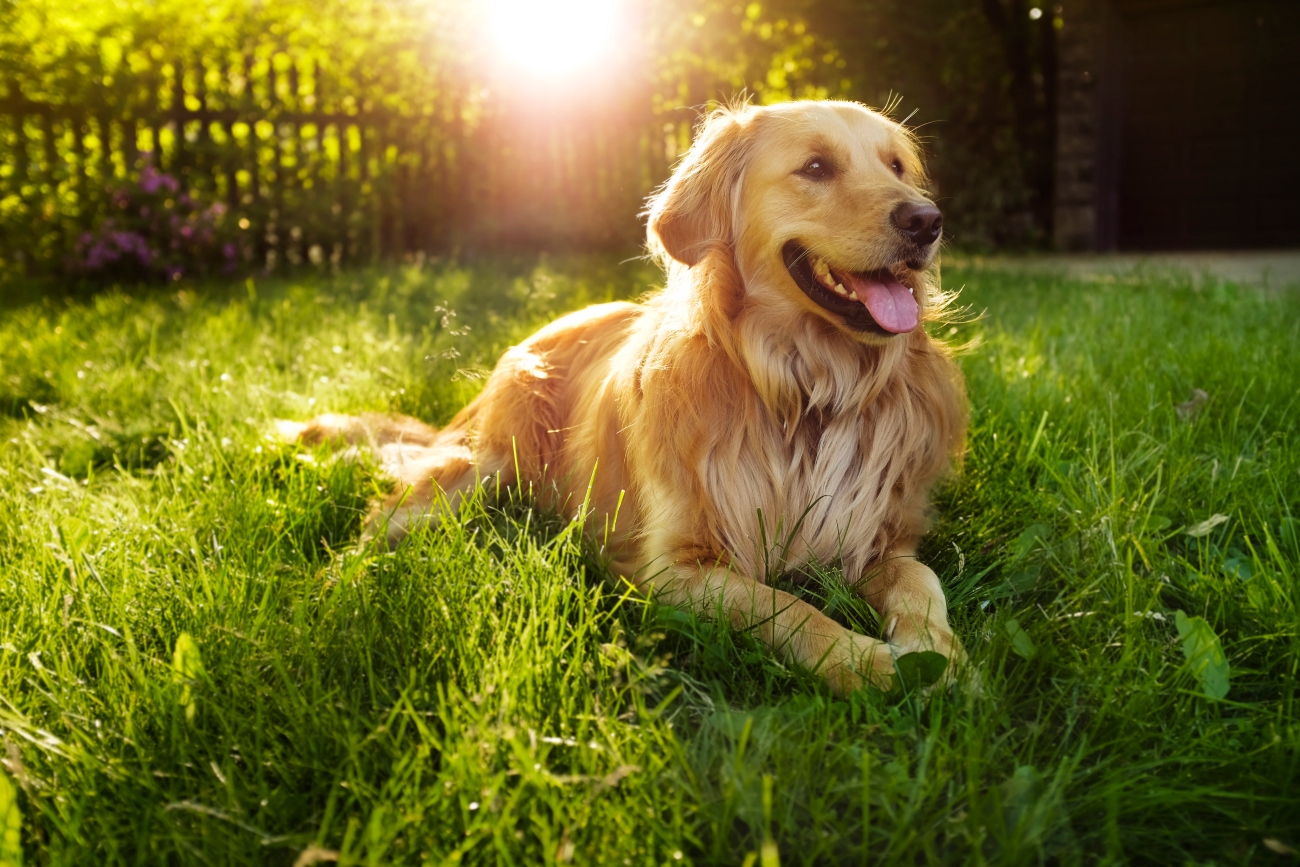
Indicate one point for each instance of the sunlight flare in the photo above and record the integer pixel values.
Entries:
(555, 39)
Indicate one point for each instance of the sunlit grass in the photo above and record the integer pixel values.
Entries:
(486, 693)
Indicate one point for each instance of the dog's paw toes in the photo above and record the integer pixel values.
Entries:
(847, 680)
(865, 664)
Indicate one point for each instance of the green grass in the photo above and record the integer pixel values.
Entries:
(486, 694)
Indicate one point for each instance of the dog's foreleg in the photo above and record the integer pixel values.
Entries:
(793, 628)
(911, 603)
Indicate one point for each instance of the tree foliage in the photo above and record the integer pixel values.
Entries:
(976, 80)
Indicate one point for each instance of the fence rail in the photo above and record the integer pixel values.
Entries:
(313, 176)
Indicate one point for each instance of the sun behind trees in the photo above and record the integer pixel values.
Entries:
(349, 130)
(569, 42)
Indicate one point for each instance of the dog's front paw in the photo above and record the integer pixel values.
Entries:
(858, 662)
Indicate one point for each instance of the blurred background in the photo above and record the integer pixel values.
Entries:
(162, 139)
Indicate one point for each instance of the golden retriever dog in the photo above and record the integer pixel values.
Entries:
(780, 384)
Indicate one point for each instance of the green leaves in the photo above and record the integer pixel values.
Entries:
(1237, 565)
(1024, 575)
(1019, 793)
(11, 825)
(919, 670)
(1205, 657)
(1028, 538)
(187, 668)
(1021, 643)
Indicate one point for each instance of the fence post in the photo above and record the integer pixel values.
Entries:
(230, 160)
(203, 163)
(546, 176)
(180, 159)
(22, 166)
(51, 167)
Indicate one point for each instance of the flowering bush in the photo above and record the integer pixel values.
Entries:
(158, 231)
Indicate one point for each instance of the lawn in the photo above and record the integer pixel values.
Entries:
(198, 664)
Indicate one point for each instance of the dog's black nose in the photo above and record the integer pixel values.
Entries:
(919, 222)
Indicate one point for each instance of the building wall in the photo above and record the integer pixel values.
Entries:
(1090, 101)
(1079, 49)
(1177, 123)
(1210, 125)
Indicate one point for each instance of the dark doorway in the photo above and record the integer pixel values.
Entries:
(1210, 125)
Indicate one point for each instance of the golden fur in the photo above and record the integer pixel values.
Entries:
(731, 407)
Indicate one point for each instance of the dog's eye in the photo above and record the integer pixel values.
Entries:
(815, 168)
(897, 166)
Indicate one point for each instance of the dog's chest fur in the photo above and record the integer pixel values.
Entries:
(785, 453)
(818, 470)
(803, 495)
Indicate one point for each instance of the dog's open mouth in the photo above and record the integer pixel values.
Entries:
(866, 300)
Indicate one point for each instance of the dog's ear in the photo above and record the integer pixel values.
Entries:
(692, 213)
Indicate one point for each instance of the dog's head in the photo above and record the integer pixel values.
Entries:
(820, 205)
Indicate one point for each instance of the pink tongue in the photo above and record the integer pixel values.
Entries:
(890, 302)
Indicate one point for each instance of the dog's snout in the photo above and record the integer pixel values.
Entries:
(919, 222)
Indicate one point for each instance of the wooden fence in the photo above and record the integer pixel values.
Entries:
(317, 174)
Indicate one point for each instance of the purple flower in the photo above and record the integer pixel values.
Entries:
(158, 229)
(152, 180)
